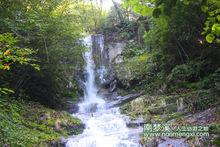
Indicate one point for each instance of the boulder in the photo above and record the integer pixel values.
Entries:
(121, 100)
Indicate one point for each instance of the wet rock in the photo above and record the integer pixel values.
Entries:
(113, 86)
(206, 116)
(92, 107)
(135, 123)
(71, 107)
(60, 143)
(75, 127)
(81, 84)
(109, 96)
(123, 100)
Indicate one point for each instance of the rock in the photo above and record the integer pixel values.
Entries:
(81, 126)
(57, 125)
(169, 142)
(109, 96)
(207, 116)
(60, 143)
(81, 84)
(123, 100)
(44, 116)
(114, 50)
(135, 123)
(71, 107)
(113, 86)
(157, 110)
(180, 106)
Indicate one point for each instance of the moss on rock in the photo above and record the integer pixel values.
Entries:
(26, 123)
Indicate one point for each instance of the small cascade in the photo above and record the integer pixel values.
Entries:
(105, 127)
(99, 53)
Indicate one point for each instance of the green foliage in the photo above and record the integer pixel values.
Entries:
(210, 8)
(210, 81)
(118, 25)
(140, 7)
(156, 12)
(132, 50)
(41, 34)
(10, 54)
(200, 100)
(212, 24)
(178, 52)
(26, 123)
(216, 140)
(186, 72)
(48, 32)
(5, 91)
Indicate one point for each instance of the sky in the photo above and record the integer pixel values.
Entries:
(106, 4)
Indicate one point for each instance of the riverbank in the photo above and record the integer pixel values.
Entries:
(28, 123)
(175, 109)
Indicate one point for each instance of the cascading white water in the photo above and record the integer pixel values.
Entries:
(105, 127)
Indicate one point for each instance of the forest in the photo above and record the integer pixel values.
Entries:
(167, 51)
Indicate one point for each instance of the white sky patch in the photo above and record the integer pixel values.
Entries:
(105, 4)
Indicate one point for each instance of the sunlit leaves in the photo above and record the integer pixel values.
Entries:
(140, 7)
(216, 29)
(5, 91)
(215, 33)
(218, 17)
(11, 54)
(210, 38)
(186, 2)
(212, 24)
(146, 11)
(7, 52)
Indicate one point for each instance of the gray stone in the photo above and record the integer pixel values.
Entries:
(121, 100)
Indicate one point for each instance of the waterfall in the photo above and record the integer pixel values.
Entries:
(105, 127)
(91, 99)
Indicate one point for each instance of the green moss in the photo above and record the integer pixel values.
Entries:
(214, 129)
(26, 123)
(216, 141)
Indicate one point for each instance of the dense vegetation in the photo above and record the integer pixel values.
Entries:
(171, 57)
(44, 35)
(27, 123)
(40, 58)
(169, 52)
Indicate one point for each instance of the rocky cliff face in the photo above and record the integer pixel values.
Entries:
(114, 51)
(106, 54)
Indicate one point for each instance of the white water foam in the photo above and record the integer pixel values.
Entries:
(105, 127)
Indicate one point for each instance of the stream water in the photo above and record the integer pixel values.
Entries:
(104, 127)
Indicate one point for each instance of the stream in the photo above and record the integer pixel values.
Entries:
(104, 127)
